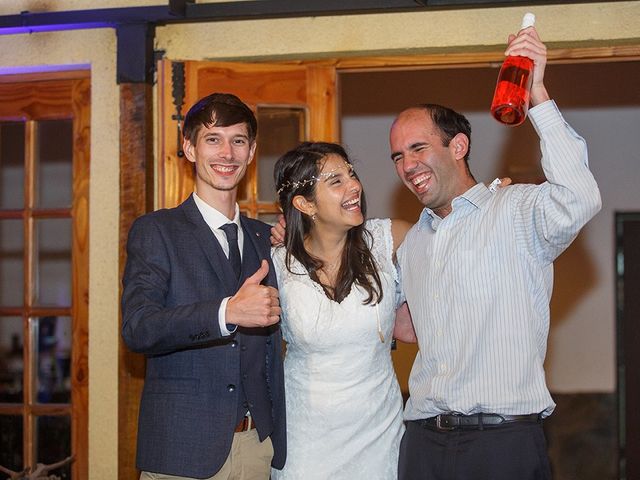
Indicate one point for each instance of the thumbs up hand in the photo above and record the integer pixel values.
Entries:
(254, 305)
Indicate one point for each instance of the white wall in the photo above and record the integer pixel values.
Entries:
(602, 102)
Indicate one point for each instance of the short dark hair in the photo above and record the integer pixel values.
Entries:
(218, 110)
(450, 123)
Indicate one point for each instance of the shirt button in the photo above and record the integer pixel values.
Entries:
(245, 376)
(443, 367)
(436, 296)
(243, 348)
(231, 387)
(439, 333)
(234, 344)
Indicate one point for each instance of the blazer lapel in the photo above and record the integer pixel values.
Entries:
(262, 249)
(209, 245)
(255, 238)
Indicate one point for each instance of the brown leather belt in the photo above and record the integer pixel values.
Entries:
(245, 424)
(479, 421)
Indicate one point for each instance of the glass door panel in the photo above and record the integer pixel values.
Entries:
(54, 155)
(53, 359)
(11, 439)
(12, 141)
(52, 269)
(11, 361)
(53, 442)
(270, 218)
(11, 263)
(280, 130)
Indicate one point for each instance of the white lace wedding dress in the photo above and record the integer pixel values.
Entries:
(344, 407)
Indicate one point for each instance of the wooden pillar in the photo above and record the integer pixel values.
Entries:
(136, 198)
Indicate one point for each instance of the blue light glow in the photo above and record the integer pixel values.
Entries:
(53, 28)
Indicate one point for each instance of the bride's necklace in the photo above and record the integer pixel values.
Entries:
(329, 272)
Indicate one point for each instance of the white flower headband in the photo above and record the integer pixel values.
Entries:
(316, 178)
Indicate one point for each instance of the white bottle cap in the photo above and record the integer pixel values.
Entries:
(528, 20)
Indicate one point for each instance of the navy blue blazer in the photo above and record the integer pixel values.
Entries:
(175, 279)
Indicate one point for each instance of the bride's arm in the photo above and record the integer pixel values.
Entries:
(403, 327)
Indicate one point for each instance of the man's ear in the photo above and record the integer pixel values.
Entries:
(303, 205)
(252, 151)
(188, 149)
(460, 145)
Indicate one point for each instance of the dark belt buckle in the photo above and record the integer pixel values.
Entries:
(440, 426)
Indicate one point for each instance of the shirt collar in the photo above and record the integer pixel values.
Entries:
(214, 218)
(474, 198)
(478, 195)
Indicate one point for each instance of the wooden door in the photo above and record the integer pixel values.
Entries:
(299, 102)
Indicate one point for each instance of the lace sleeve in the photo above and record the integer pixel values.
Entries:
(277, 256)
(382, 245)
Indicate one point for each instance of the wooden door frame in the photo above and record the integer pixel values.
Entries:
(64, 95)
(132, 200)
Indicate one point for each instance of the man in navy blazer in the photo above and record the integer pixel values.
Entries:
(200, 301)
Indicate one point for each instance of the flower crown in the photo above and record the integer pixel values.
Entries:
(315, 178)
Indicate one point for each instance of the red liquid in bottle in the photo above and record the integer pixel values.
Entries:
(511, 98)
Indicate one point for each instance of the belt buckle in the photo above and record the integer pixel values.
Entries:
(442, 427)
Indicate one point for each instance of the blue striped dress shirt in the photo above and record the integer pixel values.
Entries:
(479, 281)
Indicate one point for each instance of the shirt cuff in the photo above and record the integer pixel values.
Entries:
(226, 329)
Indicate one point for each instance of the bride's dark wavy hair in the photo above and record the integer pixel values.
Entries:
(292, 174)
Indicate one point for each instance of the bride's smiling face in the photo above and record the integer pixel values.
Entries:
(338, 194)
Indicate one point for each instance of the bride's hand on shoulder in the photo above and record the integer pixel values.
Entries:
(278, 232)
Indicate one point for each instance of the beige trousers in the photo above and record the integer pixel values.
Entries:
(249, 459)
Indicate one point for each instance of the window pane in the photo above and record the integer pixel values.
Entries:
(281, 129)
(54, 155)
(11, 165)
(11, 263)
(11, 442)
(11, 360)
(53, 336)
(270, 218)
(244, 188)
(53, 443)
(53, 264)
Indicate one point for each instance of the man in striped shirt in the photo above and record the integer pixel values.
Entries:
(477, 272)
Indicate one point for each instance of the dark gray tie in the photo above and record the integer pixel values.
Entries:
(231, 231)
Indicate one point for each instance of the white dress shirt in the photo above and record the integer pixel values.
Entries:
(479, 281)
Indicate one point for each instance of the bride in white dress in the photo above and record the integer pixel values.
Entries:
(337, 287)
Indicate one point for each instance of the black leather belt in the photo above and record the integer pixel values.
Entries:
(451, 421)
